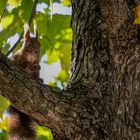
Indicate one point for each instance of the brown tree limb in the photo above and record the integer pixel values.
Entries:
(28, 95)
(104, 95)
(49, 106)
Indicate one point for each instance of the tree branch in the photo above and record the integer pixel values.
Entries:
(33, 12)
(11, 50)
(49, 106)
(27, 94)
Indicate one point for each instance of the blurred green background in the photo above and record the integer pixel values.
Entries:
(52, 18)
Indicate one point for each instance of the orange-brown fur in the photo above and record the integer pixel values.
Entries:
(21, 126)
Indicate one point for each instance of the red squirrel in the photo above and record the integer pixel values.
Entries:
(22, 126)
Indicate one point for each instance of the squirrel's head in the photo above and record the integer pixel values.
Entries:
(31, 45)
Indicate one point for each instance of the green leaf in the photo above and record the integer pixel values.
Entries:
(4, 104)
(10, 31)
(52, 56)
(44, 45)
(44, 133)
(52, 28)
(65, 56)
(3, 135)
(3, 123)
(45, 1)
(6, 47)
(62, 76)
(26, 6)
(56, 25)
(66, 2)
(2, 6)
(6, 21)
(52, 32)
(14, 3)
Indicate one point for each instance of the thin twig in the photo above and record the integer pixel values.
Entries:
(33, 13)
(45, 36)
(29, 22)
(3, 11)
(11, 50)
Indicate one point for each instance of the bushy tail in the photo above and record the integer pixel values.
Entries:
(21, 126)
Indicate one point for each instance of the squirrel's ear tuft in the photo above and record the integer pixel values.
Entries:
(35, 31)
(26, 32)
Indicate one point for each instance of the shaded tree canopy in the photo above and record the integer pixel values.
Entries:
(101, 100)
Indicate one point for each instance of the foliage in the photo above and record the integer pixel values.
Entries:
(55, 37)
(137, 15)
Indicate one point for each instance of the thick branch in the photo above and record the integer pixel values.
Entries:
(30, 96)
(26, 94)
(49, 106)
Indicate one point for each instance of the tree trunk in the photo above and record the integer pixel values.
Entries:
(106, 61)
(103, 94)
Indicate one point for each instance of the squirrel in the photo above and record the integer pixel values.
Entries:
(22, 126)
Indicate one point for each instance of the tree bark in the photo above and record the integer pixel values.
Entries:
(103, 94)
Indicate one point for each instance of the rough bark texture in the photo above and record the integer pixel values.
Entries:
(103, 95)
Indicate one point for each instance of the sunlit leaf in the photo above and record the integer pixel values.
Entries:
(3, 105)
(10, 31)
(6, 21)
(52, 56)
(52, 32)
(3, 123)
(14, 3)
(62, 76)
(137, 15)
(66, 2)
(51, 28)
(65, 56)
(44, 133)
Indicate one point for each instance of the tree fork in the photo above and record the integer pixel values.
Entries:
(102, 98)
(49, 106)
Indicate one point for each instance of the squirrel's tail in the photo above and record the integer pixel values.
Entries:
(21, 126)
